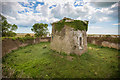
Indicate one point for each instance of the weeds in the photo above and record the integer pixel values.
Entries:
(43, 63)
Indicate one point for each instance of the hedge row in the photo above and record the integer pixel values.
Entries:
(22, 39)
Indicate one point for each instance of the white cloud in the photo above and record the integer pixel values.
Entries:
(102, 30)
(14, 0)
(11, 8)
(103, 19)
(67, 9)
(114, 5)
(40, 0)
(64, 8)
(106, 10)
(38, 8)
(24, 30)
(28, 18)
(116, 24)
(86, 12)
(61, 2)
(95, 27)
(10, 17)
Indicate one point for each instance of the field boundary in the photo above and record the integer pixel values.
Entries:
(109, 42)
(10, 44)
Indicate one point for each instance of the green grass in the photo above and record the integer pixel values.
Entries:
(38, 61)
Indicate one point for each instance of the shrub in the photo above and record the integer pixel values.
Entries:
(107, 35)
(27, 35)
(23, 39)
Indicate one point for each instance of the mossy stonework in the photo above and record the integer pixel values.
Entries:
(69, 36)
(76, 24)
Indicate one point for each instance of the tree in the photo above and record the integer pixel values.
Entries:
(10, 34)
(2, 18)
(40, 29)
(14, 27)
(7, 29)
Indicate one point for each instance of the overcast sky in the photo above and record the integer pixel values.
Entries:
(102, 16)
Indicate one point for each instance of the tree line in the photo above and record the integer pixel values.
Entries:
(8, 30)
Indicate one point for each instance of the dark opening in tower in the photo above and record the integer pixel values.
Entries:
(80, 39)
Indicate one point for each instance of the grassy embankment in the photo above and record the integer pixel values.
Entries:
(36, 61)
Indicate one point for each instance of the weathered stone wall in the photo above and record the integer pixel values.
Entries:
(111, 45)
(8, 44)
(67, 41)
(102, 42)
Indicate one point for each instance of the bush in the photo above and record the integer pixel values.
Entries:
(22, 39)
(107, 35)
(27, 35)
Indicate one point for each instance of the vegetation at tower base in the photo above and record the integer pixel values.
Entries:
(76, 24)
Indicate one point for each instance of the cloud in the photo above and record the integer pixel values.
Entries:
(103, 19)
(48, 11)
(59, 0)
(95, 27)
(24, 30)
(86, 12)
(40, 0)
(43, 9)
(14, 0)
(69, 10)
(56, 2)
(10, 11)
(13, 15)
(102, 29)
(102, 4)
(116, 24)
(44, 13)
(11, 8)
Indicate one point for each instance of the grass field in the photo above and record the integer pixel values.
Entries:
(37, 61)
